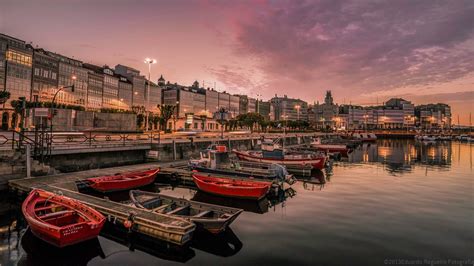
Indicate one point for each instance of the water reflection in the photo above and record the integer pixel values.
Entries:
(38, 252)
(154, 247)
(402, 155)
(390, 219)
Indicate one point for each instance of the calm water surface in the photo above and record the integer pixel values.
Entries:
(393, 200)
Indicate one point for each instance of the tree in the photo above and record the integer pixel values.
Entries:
(250, 119)
(166, 112)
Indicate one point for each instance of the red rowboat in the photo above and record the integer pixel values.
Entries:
(59, 220)
(233, 188)
(291, 160)
(123, 181)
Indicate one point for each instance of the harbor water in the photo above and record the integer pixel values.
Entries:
(391, 202)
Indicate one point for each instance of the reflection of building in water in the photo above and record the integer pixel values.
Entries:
(402, 155)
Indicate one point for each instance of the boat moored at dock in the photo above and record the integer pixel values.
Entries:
(213, 218)
(272, 153)
(124, 181)
(230, 187)
(216, 159)
(59, 220)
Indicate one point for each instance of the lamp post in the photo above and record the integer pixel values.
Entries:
(175, 114)
(297, 107)
(222, 111)
(50, 142)
(149, 62)
(365, 121)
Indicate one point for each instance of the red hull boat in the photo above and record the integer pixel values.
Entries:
(233, 188)
(316, 161)
(59, 220)
(123, 181)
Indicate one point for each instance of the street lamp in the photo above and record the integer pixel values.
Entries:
(52, 114)
(284, 120)
(365, 120)
(149, 62)
(175, 114)
(297, 107)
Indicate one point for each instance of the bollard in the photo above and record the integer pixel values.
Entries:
(174, 150)
(28, 160)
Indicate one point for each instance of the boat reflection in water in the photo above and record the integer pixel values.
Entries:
(149, 245)
(39, 252)
(224, 244)
(261, 206)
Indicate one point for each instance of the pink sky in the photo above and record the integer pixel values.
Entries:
(364, 51)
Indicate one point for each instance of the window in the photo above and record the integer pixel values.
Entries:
(37, 71)
(53, 75)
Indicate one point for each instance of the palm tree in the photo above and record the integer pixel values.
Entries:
(166, 112)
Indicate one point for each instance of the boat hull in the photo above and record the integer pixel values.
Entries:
(231, 188)
(61, 231)
(317, 163)
(117, 183)
(344, 151)
(212, 224)
(230, 173)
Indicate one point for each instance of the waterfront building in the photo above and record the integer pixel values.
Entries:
(110, 91)
(324, 116)
(265, 109)
(95, 90)
(45, 76)
(252, 105)
(354, 117)
(433, 116)
(224, 100)
(71, 73)
(190, 103)
(17, 61)
(125, 92)
(234, 106)
(243, 104)
(110, 98)
(212, 102)
(285, 108)
(138, 81)
(155, 97)
(396, 113)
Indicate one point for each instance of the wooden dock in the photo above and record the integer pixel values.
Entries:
(164, 227)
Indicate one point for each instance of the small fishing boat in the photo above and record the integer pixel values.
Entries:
(59, 220)
(272, 153)
(229, 187)
(125, 181)
(212, 218)
(330, 148)
(216, 159)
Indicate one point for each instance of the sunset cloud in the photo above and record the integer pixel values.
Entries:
(365, 51)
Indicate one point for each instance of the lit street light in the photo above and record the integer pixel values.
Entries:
(149, 62)
(297, 107)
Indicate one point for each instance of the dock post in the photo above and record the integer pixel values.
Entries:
(28, 160)
(174, 149)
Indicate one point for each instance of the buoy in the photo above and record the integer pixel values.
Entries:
(127, 224)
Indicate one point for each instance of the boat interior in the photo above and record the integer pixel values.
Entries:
(56, 214)
(171, 207)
